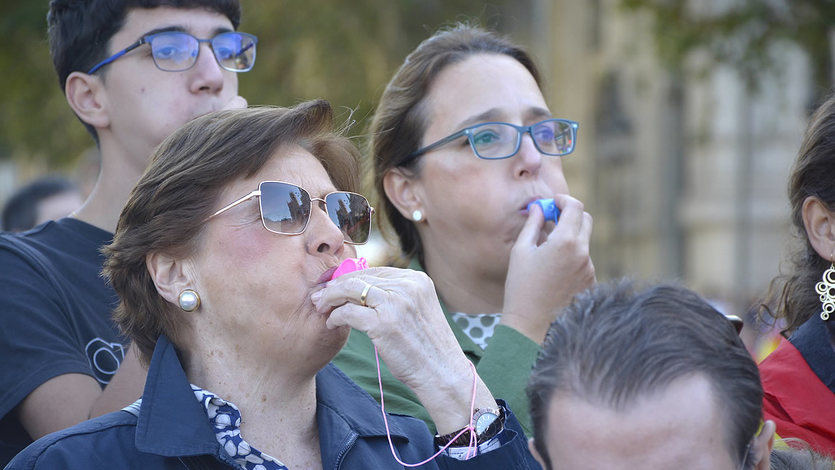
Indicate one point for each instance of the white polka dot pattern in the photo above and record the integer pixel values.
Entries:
(478, 327)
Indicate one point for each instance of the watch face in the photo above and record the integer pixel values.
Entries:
(484, 421)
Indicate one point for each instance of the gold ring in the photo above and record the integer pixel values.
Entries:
(364, 295)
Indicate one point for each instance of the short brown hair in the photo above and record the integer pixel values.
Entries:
(166, 212)
(400, 121)
(793, 294)
(616, 343)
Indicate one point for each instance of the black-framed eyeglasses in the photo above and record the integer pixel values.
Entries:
(176, 51)
(286, 208)
(497, 140)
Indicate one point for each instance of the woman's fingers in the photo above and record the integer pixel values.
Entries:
(530, 231)
(237, 102)
(385, 281)
(571, 215)
(349, 288)
(586, 227)
(353, 315)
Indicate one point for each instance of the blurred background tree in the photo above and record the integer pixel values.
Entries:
(342, 51)
(743, 34)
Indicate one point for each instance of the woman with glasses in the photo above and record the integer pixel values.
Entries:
(219, 259)
(462, 142)
(799, 376)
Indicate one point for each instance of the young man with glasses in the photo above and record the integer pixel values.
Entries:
(133, 72)
(651, 379)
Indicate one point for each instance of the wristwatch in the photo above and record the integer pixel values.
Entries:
(487, 423)
(483, 421)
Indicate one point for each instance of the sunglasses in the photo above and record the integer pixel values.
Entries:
(176, 51)
(285, 209)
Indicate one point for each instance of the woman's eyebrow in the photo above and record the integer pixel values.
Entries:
(537, 113)
(493, 114)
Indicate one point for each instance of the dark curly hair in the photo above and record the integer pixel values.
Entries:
(792, 295)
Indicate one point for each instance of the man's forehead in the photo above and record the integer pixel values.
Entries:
(678, 423)
(201, 22)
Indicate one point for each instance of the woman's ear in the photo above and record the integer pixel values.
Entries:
(87, 98)
(762, 445)
(405, 192)
(171, 275)
(819, 222)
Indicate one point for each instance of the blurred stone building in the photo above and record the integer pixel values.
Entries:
(684, 173)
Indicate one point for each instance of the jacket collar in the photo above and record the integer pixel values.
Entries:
(171, 421)
(812, 340)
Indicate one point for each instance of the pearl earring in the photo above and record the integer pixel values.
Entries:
(417, 215)
(189, 300)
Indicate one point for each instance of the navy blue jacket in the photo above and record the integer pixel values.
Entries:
(172, 431)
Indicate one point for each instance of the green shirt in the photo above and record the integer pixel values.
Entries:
(504, 366)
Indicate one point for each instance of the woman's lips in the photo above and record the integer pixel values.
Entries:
(326, 276)
(527, 203)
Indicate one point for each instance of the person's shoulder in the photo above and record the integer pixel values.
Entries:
(22, 244)
(20, 253)
(108, 438)
(50, 246)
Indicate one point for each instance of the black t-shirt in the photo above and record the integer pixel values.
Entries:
(55, 316)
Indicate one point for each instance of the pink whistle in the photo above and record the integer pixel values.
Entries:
(350, 265)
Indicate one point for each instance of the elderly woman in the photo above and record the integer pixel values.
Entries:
(799, 376)
(462, 141)
(218, 258)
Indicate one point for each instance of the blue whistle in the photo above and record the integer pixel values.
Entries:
(549, 208)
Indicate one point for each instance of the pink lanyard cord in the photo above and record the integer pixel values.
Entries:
(472, 448)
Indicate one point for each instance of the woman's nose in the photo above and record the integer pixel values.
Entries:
(528, 160)
(322, 233)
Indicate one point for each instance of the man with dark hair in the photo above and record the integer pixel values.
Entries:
(652, 379)
(132, 71)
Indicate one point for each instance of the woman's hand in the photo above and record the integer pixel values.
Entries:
(544, 275)
(405, 322)
(237, 102)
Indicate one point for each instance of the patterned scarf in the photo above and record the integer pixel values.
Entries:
(226, 421)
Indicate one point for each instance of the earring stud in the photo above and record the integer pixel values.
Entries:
(417, 215)
(189, 300)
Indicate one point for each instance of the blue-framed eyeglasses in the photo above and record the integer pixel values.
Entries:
(497, 140)
(176, 51)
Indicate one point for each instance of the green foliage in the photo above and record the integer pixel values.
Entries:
(342, 51)
(35, 121)
(742, 33)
